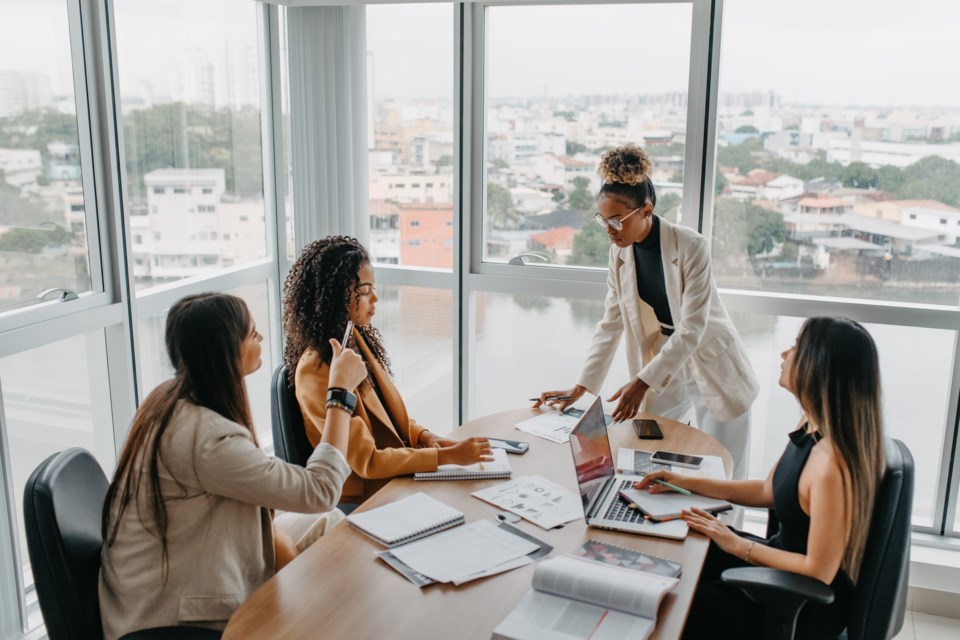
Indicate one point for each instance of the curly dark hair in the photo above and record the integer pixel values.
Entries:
(316, 300)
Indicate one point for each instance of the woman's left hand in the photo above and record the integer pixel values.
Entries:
(630, 395)
(430, 439)
(710, 526)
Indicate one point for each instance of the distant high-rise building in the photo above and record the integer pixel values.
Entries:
(23, 91)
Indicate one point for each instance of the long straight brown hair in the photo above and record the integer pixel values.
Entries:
(837, 380)
(204, 336)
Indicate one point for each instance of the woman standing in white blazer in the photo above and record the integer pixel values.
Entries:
(680, 341)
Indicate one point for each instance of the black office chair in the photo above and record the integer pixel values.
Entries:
(290, 441)
(880, 597)
(62, 505)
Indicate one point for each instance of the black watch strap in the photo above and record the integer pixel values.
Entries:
(341, 398)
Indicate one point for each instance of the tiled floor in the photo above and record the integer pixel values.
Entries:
(920, 626)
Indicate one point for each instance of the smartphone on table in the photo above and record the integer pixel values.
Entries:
(647, 429)
(677, 459)
(510, 446)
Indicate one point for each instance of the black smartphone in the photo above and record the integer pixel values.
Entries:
(510, 446)
(676, 459)
(647, 429)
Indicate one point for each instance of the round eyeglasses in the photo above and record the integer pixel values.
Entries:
(614, 223)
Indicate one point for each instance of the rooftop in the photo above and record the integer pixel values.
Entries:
(184, 176)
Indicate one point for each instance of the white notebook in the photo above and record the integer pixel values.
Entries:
(499, 467)
(405, 520)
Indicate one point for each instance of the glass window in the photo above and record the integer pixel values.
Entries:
(508, 329)
(190, 95)
(417, 325)
(155, 366)
(552, 109)
(410, 133)
(55, 397)
(43, 231)
(830, 182)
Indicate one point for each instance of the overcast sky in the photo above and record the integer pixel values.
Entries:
(879, 52)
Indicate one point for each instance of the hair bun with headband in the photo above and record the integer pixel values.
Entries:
(628, 164)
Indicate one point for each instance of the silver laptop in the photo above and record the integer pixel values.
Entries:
(600, 484)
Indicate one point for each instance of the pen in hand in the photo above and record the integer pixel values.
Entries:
(664, 483)
(552, 398)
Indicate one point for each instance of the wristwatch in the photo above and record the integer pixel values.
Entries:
(341, 399)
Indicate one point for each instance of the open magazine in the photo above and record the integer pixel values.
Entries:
(574, 598)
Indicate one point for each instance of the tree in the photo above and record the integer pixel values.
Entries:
(558, 196)
(21, 240)
(743, 228)
(500, 209)
(668, 206)
(575, 147)
(858, 175)
(591, 247)
(676, 176)
(747, 128)
(720, 183)
(580, 197)
(498, 163)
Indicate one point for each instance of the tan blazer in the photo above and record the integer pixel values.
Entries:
(383, 439)
(704, 336)
(217, 486)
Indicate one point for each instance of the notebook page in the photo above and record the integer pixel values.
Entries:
(500, 463)
(404, 517)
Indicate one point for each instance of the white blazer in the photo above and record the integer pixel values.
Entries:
(704, 336)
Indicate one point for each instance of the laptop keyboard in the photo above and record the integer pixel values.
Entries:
(620, 511)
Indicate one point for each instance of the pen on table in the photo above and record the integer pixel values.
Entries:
(664, 483)
(552, 398)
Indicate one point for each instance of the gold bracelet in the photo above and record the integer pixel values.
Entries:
(746, 558)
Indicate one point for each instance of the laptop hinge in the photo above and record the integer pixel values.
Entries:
(600, 495)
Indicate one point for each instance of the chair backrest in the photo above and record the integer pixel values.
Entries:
(290, 441)
(63, 502)
(880, 598)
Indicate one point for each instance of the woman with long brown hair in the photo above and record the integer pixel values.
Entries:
(331, 284)
(822, 489)
(187, 521)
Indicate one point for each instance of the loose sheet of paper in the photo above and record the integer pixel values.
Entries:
(550, 425)
(462, 552)
(536, 499)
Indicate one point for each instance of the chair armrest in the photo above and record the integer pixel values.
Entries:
(762, 579)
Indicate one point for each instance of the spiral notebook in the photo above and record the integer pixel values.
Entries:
(406, 520)
(499, 467)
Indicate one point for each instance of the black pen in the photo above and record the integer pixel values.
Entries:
(552, 398)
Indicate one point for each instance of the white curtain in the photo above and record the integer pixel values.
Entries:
(328, 121)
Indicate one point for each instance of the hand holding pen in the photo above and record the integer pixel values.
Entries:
(660, 481)
(559, 399)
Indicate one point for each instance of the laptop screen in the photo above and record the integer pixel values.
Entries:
(592, 457)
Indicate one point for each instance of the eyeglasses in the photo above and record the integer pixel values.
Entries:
(614, 223)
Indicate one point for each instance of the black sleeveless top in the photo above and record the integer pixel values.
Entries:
(816, 620)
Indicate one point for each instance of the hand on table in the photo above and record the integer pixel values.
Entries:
(630, 395)
(466, 452)
(430, 439)
(710, 526)
(548, 397)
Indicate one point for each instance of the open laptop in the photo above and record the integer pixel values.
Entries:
(600, 484)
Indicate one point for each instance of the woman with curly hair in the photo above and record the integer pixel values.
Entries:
(681, 343)
(331, 283)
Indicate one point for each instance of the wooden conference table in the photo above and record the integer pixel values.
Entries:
(338, 589)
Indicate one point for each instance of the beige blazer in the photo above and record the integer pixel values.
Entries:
(383, 438)
(704, 336)
(218, 487)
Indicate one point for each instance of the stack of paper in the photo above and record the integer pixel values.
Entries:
(459, 555)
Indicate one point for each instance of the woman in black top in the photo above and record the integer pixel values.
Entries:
(822, 488)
